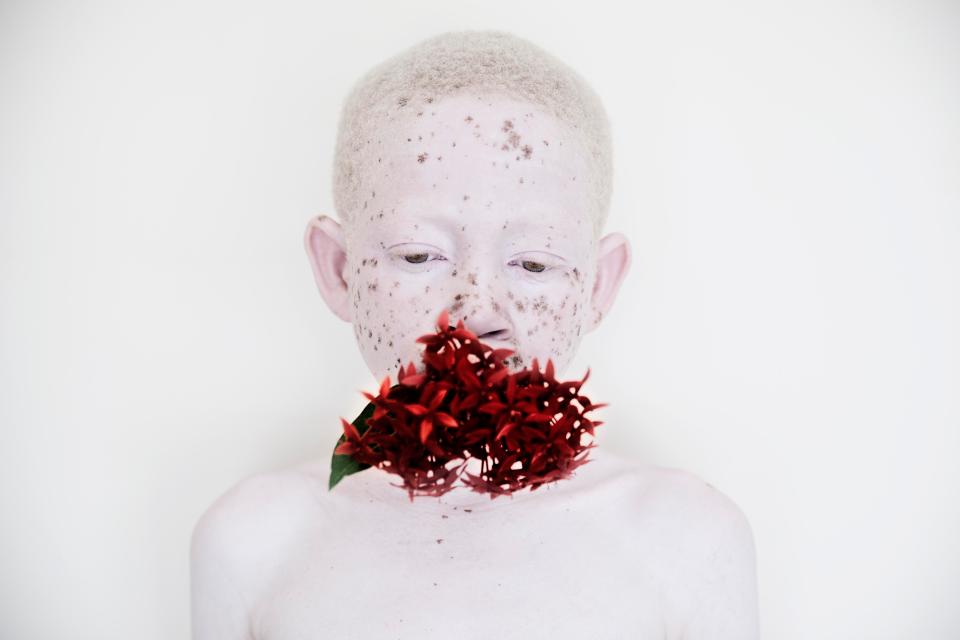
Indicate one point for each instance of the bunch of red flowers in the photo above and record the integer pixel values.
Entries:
(525, 428)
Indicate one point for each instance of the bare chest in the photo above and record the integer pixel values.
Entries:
(559, 572)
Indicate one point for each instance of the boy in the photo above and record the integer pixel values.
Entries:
(473, 174)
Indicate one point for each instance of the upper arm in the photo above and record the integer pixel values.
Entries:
(723, 579)
(219, 606)
(238, 548)
(706, 557)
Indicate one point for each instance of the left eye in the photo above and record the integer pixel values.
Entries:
(532, 266)
(535, 267)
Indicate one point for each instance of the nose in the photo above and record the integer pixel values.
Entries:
(489, 327)
(484, 315)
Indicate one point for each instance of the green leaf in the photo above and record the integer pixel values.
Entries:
(343, 465)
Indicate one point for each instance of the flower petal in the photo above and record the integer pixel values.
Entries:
(446, 419)
(426, 428)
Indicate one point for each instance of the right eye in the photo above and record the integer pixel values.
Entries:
(415, 258)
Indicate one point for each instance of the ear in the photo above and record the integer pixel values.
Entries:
(327, 253)
(613, 262)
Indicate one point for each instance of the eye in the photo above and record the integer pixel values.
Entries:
(535, 267)
(415, 258)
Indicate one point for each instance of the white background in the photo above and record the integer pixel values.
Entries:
(788, 175)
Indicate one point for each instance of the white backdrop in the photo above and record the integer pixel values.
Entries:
(788, 175)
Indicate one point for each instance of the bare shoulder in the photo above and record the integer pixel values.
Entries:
(703, 549)
(693, 501)
(689, 520)
(246, 529)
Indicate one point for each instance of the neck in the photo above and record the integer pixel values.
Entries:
(376, 485)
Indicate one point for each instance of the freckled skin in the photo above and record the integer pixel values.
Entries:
(476, 227)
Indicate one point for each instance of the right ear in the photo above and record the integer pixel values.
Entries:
(327, 252)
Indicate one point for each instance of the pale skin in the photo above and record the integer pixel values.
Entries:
(619, 550)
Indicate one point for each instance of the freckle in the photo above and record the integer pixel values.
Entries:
(408, 139)
(546, 143)
(419, 113)
(504, 148)
(369, 333)
(427, 290)
(419, 138)
(468, 119)
(422, 157)
(507, 125)
(429, 99)
(519, 305)
(390, 344)
(439, 158)
(472, 278)
(521, 179)
(527, 150)
(509, 295)
(454, 144)
(454, 272)
(466, 197)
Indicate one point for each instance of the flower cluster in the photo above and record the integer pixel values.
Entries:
(525, 428)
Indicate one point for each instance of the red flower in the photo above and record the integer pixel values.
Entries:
(526, 428)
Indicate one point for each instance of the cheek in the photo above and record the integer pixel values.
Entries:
(391, 309)
(550, 321)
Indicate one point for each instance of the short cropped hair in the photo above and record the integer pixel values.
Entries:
(460, 61)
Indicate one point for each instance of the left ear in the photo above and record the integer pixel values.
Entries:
(613, 262)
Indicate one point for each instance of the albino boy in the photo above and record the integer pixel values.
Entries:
(473, 174)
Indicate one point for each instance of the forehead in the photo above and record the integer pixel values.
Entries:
(473, 158)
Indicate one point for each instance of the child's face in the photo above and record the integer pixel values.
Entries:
(477, 206)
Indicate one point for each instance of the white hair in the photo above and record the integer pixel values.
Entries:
(459, 61)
